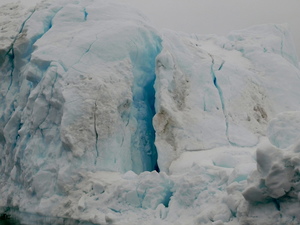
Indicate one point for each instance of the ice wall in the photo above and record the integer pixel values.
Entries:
(76, 94)
(80, 84)
(222, 91)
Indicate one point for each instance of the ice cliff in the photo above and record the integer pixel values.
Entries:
(213, 91)
(105, 119)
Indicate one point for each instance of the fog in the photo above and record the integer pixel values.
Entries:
(214, 16)
(220, 16)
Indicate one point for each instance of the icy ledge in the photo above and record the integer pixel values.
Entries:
(77, 103)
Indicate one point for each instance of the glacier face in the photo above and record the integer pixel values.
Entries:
(214, 91)
(81, 82)
(89, 88)
(77, 87)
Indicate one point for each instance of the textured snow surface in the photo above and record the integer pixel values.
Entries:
(95, 101)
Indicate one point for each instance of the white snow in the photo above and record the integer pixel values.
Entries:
(94, 99)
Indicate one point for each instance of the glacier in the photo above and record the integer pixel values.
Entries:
(108, 120)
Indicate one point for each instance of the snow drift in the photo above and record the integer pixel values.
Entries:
(95, 102)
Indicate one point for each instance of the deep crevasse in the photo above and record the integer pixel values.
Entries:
(142, 144)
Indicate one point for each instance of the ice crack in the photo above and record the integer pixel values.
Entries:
(216, 84)
(221, 65)
(214, 78)
(47, 27)
(20, 31)
(11, 49)
(12, 69)
(86, 52)
(96, 132)
(85, 14)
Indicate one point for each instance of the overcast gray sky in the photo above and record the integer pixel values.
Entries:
(220, 16)
(215, 16)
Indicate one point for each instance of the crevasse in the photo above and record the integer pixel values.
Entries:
(143, 108)
(215, 82)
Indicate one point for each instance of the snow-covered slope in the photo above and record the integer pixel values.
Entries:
(95, 101)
